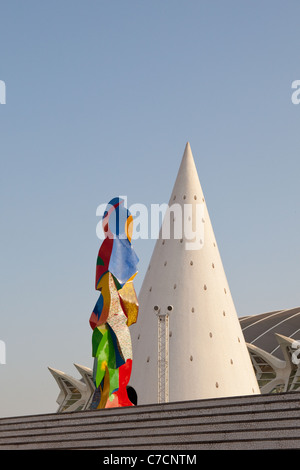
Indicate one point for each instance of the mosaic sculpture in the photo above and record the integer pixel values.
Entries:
(115, 310)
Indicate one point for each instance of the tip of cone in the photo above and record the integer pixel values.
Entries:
(187, 180)
(188, 155)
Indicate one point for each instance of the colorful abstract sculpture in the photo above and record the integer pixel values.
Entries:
(115, 310)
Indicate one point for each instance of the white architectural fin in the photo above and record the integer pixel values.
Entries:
(73, 394)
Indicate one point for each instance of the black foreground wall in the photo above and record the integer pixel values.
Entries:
(238, 423)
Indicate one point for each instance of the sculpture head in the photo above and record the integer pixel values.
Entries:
(117, 220)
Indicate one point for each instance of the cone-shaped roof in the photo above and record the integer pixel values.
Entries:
(208, 356)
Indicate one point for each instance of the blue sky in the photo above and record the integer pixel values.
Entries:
(101, 98)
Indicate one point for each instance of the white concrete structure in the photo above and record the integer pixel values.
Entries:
(75, 394)
(208, 356)
(274, 374)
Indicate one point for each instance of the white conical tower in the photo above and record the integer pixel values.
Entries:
(208, 356)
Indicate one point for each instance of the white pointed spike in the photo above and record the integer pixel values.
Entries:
(87, 377)
(73, 394)
(208, 356)
(84, 370)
